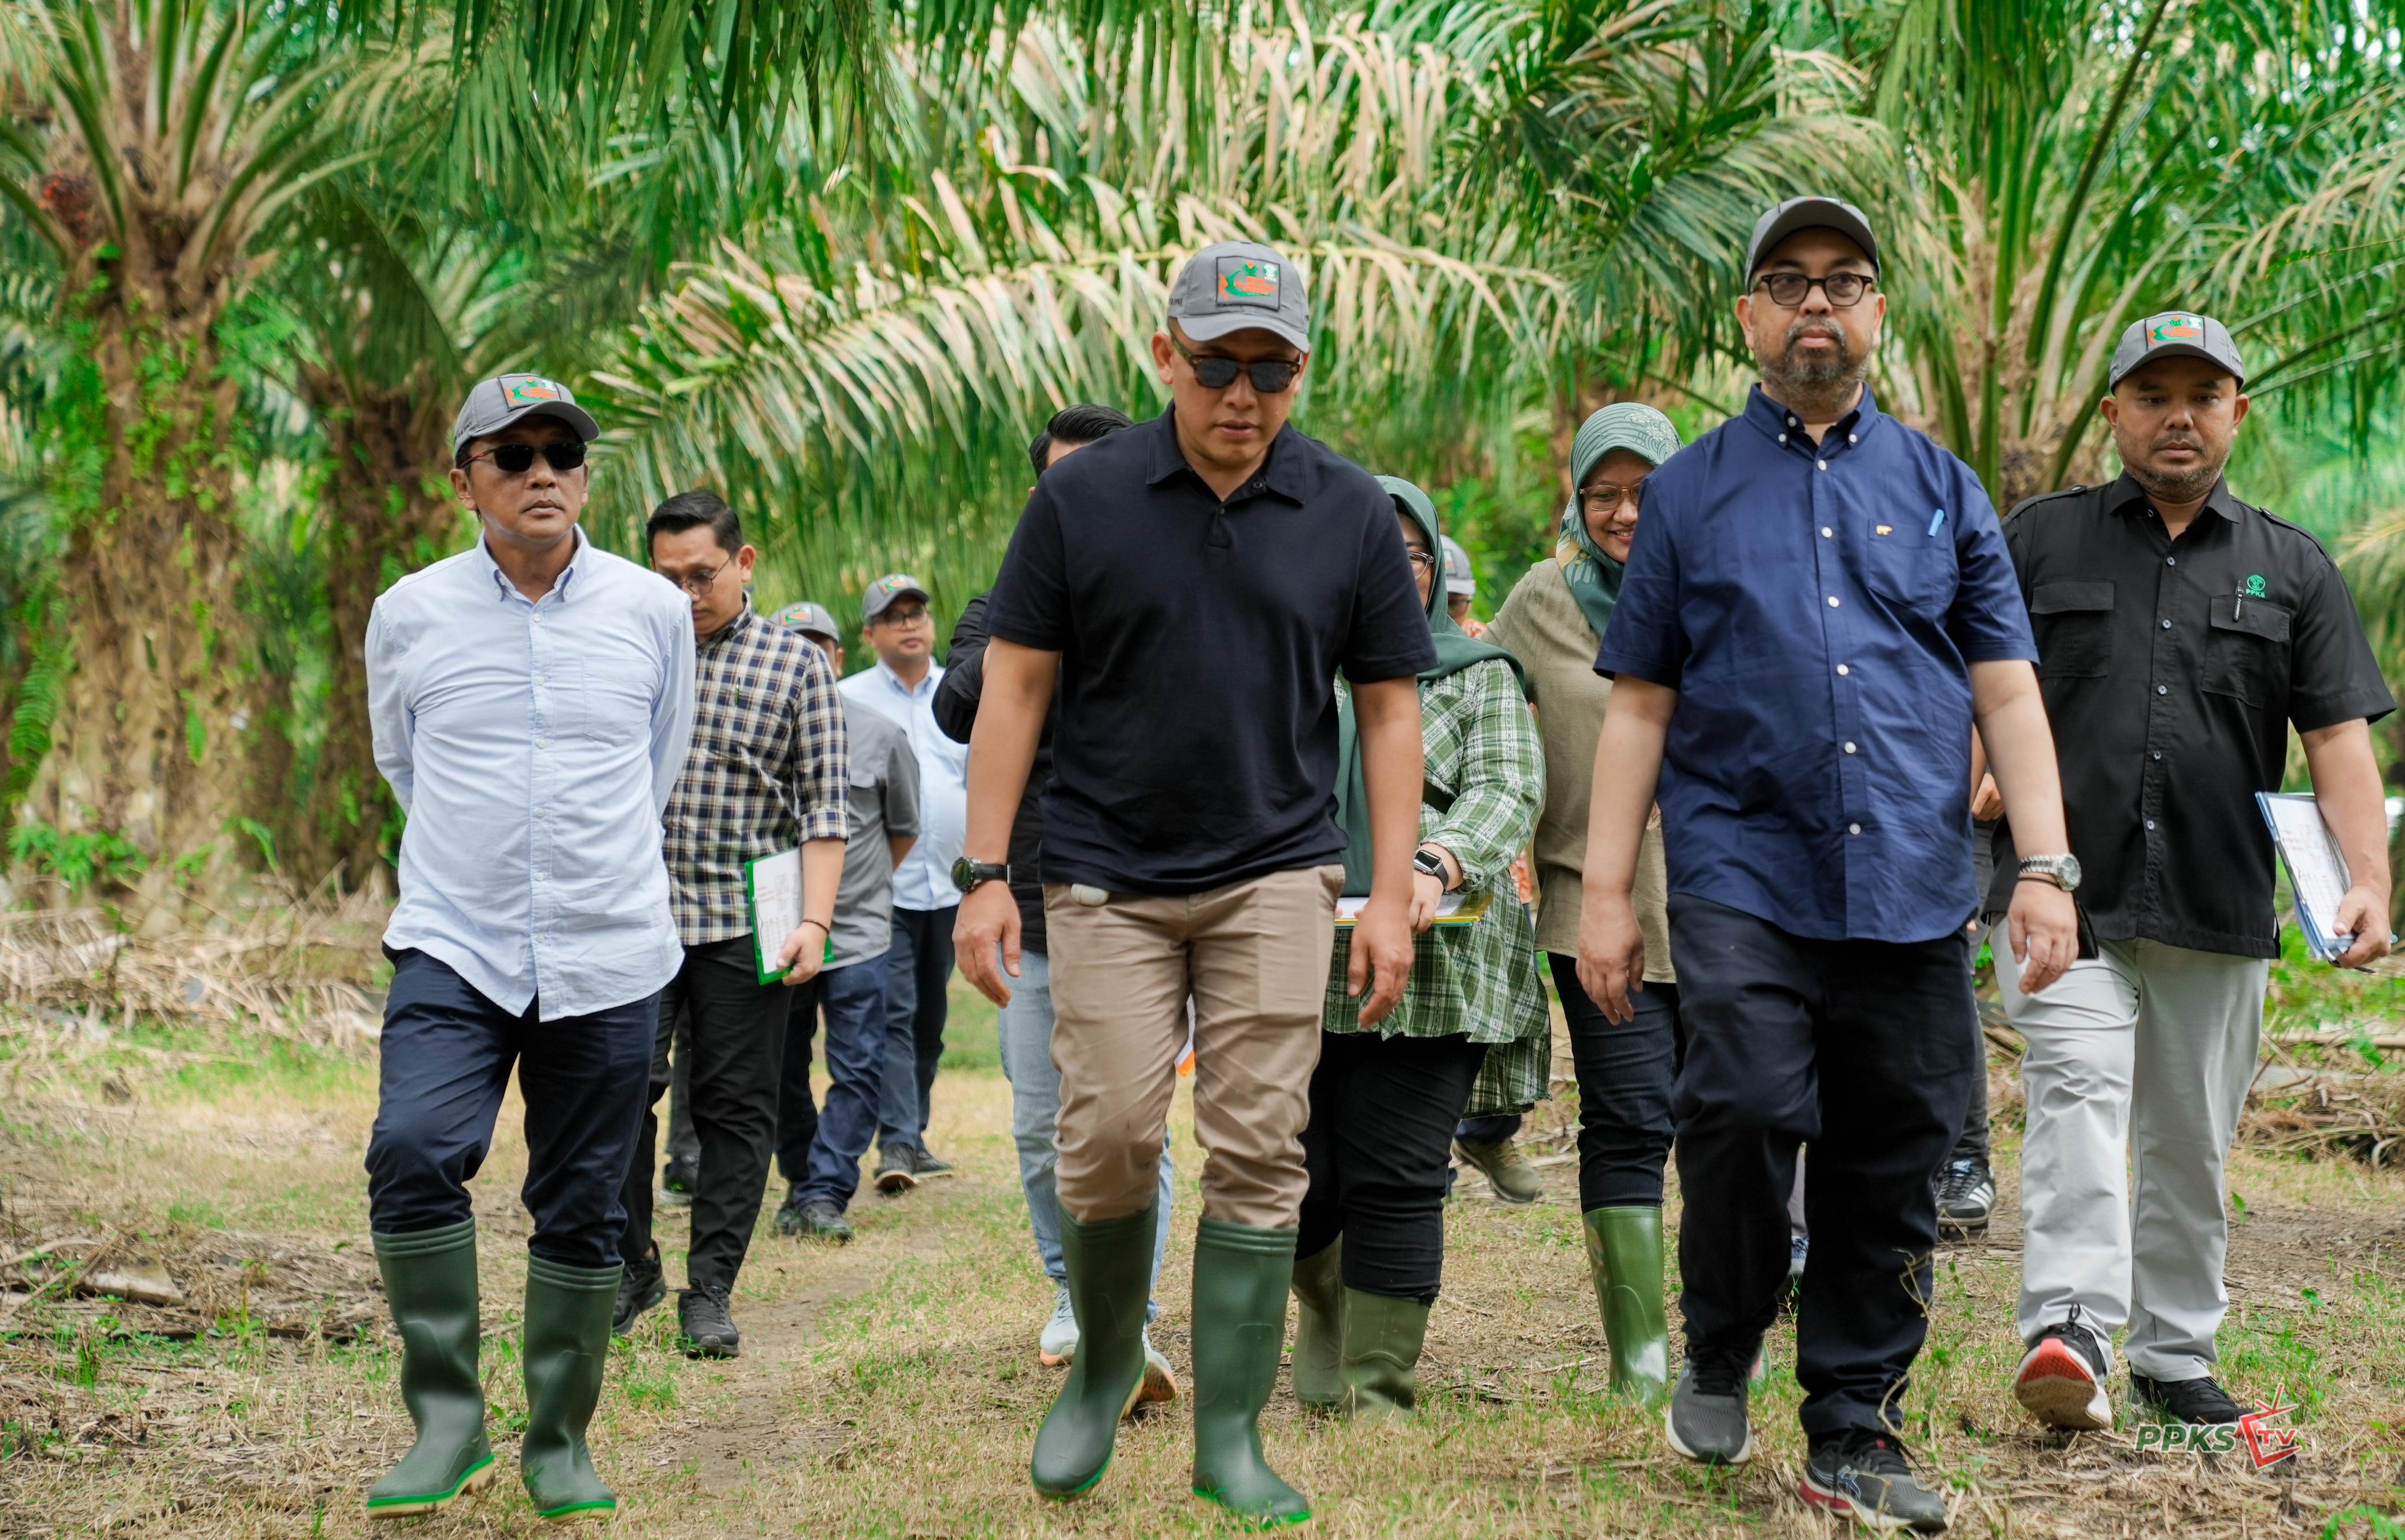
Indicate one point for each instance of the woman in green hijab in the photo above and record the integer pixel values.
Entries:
(1553, 622)
(1383, 1099)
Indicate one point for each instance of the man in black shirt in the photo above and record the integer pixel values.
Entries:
(2181, 633)
(1193, 585)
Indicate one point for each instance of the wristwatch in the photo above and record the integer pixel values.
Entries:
(969, 875)
(1433, 864)
(2061, 870)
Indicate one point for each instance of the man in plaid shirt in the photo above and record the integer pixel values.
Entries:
(769, 767)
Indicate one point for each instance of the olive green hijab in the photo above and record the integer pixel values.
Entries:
(1455, 650)
(1593, 577)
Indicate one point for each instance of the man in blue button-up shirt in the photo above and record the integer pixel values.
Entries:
(1818, 606)
(531, 698)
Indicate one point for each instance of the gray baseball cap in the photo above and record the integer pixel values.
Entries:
(811, 620)
(507, 398)
(1459, 577)
(1238, 286)
(881, 593)
(1808, 214)
(2175, 335)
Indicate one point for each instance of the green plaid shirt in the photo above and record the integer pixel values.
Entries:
(1483, 754)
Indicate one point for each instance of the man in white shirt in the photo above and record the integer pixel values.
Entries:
(532, 700)
(902, 688)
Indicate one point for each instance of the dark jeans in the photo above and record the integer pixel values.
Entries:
(446, 1058)
(738, 1041)
(1377, 1151)
(1860, 1048)
(1490, 1129)
(917, 972)
(819, 1154)
(1625, 1071)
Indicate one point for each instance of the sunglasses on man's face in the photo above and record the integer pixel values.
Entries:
(517, 459)
(1213, 371)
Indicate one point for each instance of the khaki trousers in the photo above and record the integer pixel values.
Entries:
(1254, 956)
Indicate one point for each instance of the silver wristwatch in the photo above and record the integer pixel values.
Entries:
(2061, 870)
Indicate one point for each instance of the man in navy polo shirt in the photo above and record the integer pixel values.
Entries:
(1818, 608)
(1194, 584)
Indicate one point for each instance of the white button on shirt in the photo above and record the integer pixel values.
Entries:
(923, 882)
(536, 876)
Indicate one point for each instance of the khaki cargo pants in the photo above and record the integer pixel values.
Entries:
(1255, 958)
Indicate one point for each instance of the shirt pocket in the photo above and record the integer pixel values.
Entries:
(1910, 567)
(619, 687)
(2074, 621)
(2247, 657)
(868, 799)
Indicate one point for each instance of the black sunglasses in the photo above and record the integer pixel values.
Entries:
(1270, 376)
(517, 459)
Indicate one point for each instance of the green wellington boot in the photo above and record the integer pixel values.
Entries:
(566, 1347)
(1110, 1277)
(429, 1278)
(1319, 1326)
(1624, 1251)
(1241, 1278)
(1382, 1338)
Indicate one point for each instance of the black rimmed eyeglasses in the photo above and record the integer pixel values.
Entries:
(1787, 289)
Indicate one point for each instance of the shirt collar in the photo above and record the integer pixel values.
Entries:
(500, 580)
(1285, 471)
(1776, 421)
(935, 677)
(733, 628)
(2126, 491)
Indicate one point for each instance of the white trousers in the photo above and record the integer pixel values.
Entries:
(2149, 1050)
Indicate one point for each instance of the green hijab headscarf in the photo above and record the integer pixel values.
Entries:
(1455, 650)
(1593, 577)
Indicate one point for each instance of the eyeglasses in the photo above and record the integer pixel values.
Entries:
(517, 459)
(698, 583)
(1845, 289)
(894, 614)
(1603, 499)
(1424, 560)
(1270, 376)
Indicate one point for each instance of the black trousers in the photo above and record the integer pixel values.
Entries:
(1377, 1150)
(445, 1058)
(1862, 1048)
(1625, 1072)
(739, 1046)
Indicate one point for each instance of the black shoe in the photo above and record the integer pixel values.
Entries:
(1707, 1417)
(2060, 1381)
(895, 1170)
(639, 1288)
(709, 1331)
(816, 1220)
(1863, 1475)
(2198, 1401)
(925, 1165)
(676, 1185)
(1966, 1196)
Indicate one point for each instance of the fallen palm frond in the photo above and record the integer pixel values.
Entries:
(2361, 1117)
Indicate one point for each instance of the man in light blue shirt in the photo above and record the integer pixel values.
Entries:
(902, 688)
(531, 699)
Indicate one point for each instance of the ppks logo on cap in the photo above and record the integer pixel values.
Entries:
(527, 391)
(2176, 327)
(1248, 280)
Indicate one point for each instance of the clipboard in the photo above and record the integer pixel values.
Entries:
(2317, 874)
(772, 890)
(1452, 909)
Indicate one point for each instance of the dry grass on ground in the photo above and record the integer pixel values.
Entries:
(890, 1388)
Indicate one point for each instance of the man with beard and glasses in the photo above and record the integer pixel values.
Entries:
(2181, 633)
(1818, 606)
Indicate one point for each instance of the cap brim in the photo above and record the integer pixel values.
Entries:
(1210, 329)
(2173, 350)
(1815, 214)
(887, 603)
(569, 412)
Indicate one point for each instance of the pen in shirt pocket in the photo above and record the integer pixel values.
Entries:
(1936, 521)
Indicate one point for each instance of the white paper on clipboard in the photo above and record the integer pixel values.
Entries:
(776, 891)
(2318, 873)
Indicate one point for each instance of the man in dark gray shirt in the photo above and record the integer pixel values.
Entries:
(819, 1154)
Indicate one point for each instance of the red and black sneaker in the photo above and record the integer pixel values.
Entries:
(2061, 1378)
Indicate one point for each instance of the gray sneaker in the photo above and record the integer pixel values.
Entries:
(1863, 1476)
(1707, 1417)
(1057, 1342)
(709, 1331)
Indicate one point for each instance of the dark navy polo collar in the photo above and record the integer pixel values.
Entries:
(1287, 471)
(1784, 427)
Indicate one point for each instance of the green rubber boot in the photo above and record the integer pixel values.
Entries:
(567, 1346)
(1319, 1326)
(1110, 1277)
(1382, 1338)
(1624, 1251)
(429, 1280)
(1241, 1278)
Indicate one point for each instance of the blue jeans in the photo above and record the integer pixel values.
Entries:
(445, 1058)
(819, 1152)
(917, 972)
(1035, 1109)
